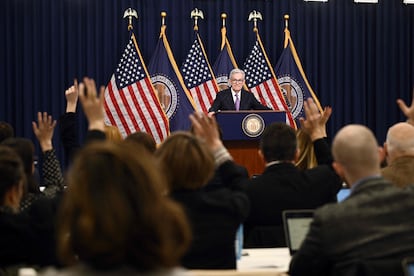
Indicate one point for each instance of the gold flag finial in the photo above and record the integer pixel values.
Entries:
(196, 13)
(163, 16)
(255, 15)
(130, 12)
(286, 17)
(223, 17)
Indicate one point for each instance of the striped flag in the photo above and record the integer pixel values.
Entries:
(225, 62)
(262, 82)
(198, 76)
(130, 100)
(292, 79)
(168, 82)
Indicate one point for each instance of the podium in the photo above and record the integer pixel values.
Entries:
(241, 132)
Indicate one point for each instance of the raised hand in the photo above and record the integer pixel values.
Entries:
(44, 129)
(206, 128)
(407, 110)
(92, 104)
(71, 95)
(315, 122)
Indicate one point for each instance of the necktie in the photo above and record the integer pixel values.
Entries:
(237, 102)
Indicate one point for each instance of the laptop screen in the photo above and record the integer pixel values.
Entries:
(408, 266)
(296, 225)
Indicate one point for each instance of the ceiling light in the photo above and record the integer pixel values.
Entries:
(408, 1)
(366, 1)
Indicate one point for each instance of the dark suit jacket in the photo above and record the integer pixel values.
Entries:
(224, 101)
(215, 215)
(369, 233)
(282, 187)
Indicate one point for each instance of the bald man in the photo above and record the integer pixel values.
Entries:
(399, 151)
(371, 231)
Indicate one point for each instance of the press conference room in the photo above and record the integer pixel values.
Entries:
(92, 89)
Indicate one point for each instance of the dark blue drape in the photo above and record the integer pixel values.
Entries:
(358, 57)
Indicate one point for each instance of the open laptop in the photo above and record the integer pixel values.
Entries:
(296, 224)
(408, 266)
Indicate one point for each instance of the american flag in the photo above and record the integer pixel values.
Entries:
(261, 81)
(130, 100)
(198, 76)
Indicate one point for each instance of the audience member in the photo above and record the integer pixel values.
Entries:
(112, 133)
(115, 218)
(52, 175)
(370, 232)
(214, 214)
(144, 139)
(6, 131)
(306, 159)
(283, 186)
(25, 238)
(235, 97)
(399, 152)
(399, 149)
(68, 123)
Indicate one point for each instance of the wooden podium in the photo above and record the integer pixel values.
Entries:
(241, 131)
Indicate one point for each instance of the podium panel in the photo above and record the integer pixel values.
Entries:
(241, 131)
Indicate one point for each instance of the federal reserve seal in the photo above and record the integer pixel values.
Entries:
(293, 94)
(166, 93)
(253, 125)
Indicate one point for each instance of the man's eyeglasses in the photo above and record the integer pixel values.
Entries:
(237, 81)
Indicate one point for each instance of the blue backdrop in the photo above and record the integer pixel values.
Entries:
(358, 57)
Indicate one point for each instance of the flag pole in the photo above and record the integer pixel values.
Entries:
(287, 32)
(223, 31)
(130, 12)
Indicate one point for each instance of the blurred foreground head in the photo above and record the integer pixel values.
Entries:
(115, 212)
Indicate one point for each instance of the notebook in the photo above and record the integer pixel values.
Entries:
(408, 266)
(296, 225)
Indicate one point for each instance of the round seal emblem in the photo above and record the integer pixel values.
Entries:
(293, 94)
(253, 125)
(166, 93)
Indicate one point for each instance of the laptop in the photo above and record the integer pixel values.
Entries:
(408, 266)
(296, 224)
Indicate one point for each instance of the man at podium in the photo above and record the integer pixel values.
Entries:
(235, 98)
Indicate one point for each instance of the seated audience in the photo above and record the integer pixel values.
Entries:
(214, 214)
(27, 238)
(283, 186)
(52, 175)
(115, 218)
(144, 139)
(399, 149)
(306, 159)
(6, 131)
(399, 152)
(371, 231)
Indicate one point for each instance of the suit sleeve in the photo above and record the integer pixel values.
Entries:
(255, 104)
(216, 106)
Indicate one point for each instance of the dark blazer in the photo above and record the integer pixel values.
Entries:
(369, 233)
(215, 215)
(282, 187)
(224, 101)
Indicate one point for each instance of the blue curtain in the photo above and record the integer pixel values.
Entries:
(358, 57)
